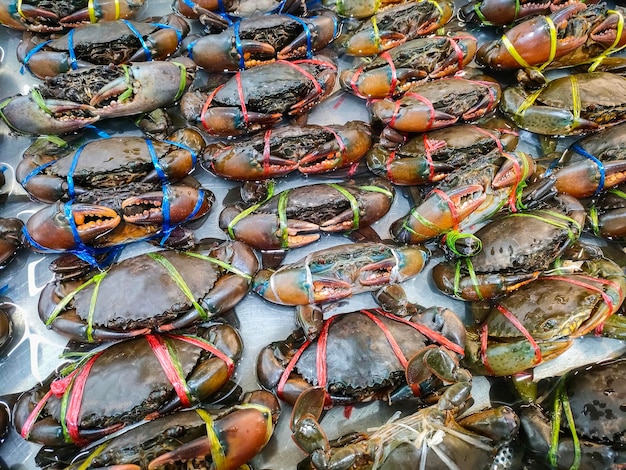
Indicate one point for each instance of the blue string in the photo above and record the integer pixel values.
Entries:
(190, 47)
(156, 162)
(144, 46)
(307, 32)
(37, 170)
(70, 173)
(99, 132)
(179, 33)
(32, 52)
(578, 149)
(71, 51)
(194, 155)
(238, 46)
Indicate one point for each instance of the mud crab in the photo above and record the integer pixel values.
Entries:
(399, 357)
(606, 213)
(6, 335)
(186, 287)
(573, 35)
(432, 105)
(295, 217)
(261, 39)
(310, 149)
(520, 332)
(468, 195)
(397, 23)
(569, 105)
(504, 12)
(11, 239)
(77, 226)
(126, 382)
(430, 157)
(337, 273)
(208, 11)
(588, 406)
(240, 106)
(238, 433)
(433, 437)
(534, 240)
(72, 100)
(592, 164)
(413, 61)
(112, 42)
(53, 171)
(44, 17)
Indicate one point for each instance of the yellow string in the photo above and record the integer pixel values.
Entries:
(613, 47)
(520, 60)
(575, 96)
(217, 450)
(530, 99)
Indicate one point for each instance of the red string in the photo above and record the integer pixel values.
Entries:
(493, 136)
(518, 172)
(484, 340)
(162, 354)
(390, 160)
(287, 372)
(266, 152)
(395, 347)
(418, 97)
(517, 324)
(204, 344)
(32, 417)
(451, 206)
(242, 99)
(76, 397)
(205, 108)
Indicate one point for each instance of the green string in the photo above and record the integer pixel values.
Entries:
(283, 200)
(248, 211)
(354, 204)
(220, 263)
(69, 297)
(562, 405)
(92, 304)
(564, 221)
(454, 235)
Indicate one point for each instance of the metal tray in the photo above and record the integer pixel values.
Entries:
(34, 351)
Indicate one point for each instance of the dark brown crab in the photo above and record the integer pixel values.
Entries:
(187, 287)
(127, 382)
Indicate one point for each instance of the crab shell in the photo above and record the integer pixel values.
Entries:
(263, 39)
(468, 195)
(553, 310)
(534, 240)
(339, 272)
(413, 61)
(240, 106)
(18, 15)
(244, 428)
(361, 338)
(309, 149)
(430, 157)
(432, 105)
(102, 312)
(310, 210)
(11, 239)
(108, 162)
(125, 383)
(552, 111)
(111, 42)
(397, 23)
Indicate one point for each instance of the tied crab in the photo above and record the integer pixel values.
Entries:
(395, 24)
(440, 103)
(369, 355)
(505, 12)
(540, 320)
(573, 35)
(212, 11)
(295, 217)
(75, 99)
(570, 105)
(607, 213)
(429, 157)
(124, 383)
(11, 239)
(434, 437)
(413, 61)
(593, 164)
(88, 227)
(468, 195)
(534, 240)
(186, 288)
(240, 106)
(111, 42)
(581, 421)
(261, 39)
(231, 436)
(308, 149)
(45, 17)
(52, 170)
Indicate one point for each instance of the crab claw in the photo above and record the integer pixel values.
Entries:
(532, 41)
(215, 52)
(517, 167)
(151, 85)
(434, 361)
(32, 114)
(307, 432)
(582, 179)
(320, 31)
(239, 436)
(229, 121)
(411, 115)
(264, 231)
(106, 10)
(434, 216)
(500, 12)
(51, 229)
(606, 32)
(184, 202)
